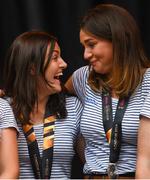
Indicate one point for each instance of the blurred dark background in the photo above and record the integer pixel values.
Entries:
(61, 18)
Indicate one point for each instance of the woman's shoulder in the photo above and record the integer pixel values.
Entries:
(7, 118)
(83, 69)
(72, 100)
(4, 102)
(147, 71)
(147, 74)
(74, 109)
(73, 103)
(146, 80)
(80, 76)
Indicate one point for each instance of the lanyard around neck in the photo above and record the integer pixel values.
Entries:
(113, 129)
(41, 165)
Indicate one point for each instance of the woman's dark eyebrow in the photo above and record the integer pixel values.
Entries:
(54, 51)
(88, 40)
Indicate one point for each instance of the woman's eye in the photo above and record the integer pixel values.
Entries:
(54, 57)
(91, 45)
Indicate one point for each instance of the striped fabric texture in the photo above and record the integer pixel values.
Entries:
(65, 134)
(97, 147)
(7, 118)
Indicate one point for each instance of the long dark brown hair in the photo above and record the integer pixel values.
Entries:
(116, 25)
(28, 50)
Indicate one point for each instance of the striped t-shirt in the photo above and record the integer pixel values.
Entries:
(97, 148)
(64, 138)
(7, 118)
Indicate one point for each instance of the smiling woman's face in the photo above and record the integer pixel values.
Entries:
(53, 72)
(98, 52)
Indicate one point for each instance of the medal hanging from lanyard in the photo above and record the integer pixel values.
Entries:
(41, 166)
(113, 129)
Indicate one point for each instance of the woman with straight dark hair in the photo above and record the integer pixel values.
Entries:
(113, 89)
(48, 120)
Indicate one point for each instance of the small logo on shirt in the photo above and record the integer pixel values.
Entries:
(91, 101)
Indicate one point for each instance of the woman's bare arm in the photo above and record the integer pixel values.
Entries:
(9, 165)
(143, 156)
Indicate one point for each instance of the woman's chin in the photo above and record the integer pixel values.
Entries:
(57, 89)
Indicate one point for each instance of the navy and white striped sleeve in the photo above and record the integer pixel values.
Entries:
(79, 82)
(7, 118)
(145, 111)
(78, 111)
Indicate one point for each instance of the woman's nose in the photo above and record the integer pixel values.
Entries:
(63, 64)
(87, 54)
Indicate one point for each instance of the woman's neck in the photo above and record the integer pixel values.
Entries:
(114, 95)
(37, 115)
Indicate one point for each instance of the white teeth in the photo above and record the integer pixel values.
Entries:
(59, 74)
